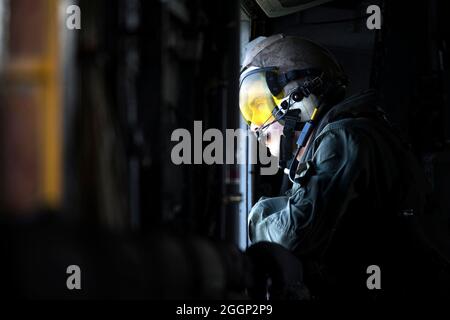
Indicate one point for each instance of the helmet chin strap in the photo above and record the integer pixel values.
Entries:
(302, 141)
(287, 139)
(291, 125)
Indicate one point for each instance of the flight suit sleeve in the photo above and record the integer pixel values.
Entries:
(324, 189)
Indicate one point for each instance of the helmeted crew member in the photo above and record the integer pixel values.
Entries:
(354, 180)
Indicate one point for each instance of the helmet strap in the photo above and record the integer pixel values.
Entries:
(277, 81)
(287, 139)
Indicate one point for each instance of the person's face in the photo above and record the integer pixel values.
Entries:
(271, 137)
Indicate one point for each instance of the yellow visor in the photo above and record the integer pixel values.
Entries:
(255, 99)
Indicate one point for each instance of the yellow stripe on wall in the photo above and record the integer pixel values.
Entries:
(52, 114)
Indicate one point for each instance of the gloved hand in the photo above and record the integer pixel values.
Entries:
(259, 217)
